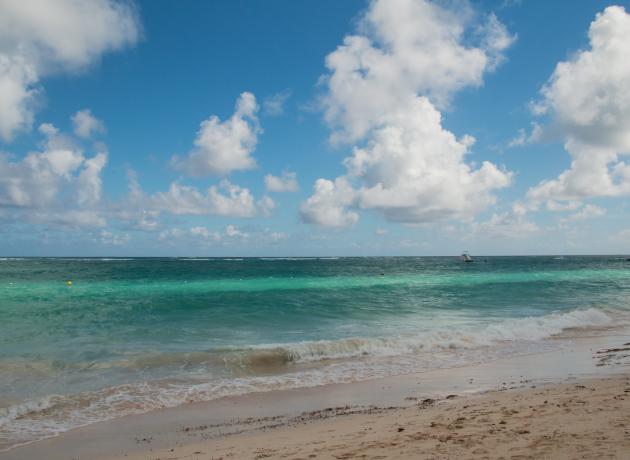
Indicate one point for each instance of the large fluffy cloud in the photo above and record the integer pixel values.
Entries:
(327, 206)
(413, 170)
(588, 101)
(405, 47)
(40, 37)
(57, 184)
(383, 89)
(224, 146)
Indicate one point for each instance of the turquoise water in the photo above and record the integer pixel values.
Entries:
(131, 335)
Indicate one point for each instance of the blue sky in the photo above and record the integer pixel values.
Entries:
(403, 127)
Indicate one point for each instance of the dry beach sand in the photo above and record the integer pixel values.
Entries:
(569, 403)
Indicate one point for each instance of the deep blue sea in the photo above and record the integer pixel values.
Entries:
(132, 335)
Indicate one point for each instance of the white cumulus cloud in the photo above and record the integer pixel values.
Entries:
(403, 48)
(287, 182)
(43, 37)
(588, 101)
(142, 211)
(59, 183)
(413, 170)
(327, 206)
(383, 89)
(224, 146)
(227, 199)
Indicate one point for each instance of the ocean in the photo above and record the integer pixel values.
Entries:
(132, 335)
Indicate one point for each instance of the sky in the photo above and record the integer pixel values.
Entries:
(314, 128)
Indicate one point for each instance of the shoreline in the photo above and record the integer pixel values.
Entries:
(262, 414)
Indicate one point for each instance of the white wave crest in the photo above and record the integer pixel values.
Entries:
(515, 330)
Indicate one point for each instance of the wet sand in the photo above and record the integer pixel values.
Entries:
(570, 403)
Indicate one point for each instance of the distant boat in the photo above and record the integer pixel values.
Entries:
(465, 257)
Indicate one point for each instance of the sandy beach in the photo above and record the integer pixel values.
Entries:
(569, 403)
(589, 419)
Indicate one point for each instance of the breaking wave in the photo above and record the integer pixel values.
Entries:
(277, 358)
(521, 330)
